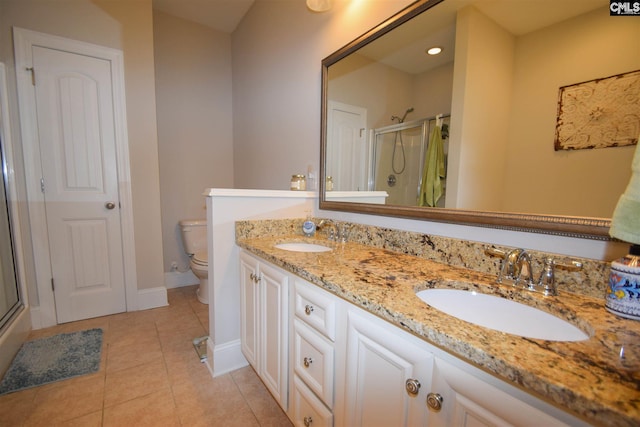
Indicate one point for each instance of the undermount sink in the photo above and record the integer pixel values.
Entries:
(501, 314)
(302, 247)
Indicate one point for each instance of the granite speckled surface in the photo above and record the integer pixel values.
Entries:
(587, 378)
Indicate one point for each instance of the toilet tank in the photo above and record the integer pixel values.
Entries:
(194, 235)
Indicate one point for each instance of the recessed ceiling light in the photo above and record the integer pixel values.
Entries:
(434, 50)
(319, 5)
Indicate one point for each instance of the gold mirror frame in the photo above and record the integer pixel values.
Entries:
(574, 226)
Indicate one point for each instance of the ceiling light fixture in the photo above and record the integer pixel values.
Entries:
(434, 50)
(319, 5)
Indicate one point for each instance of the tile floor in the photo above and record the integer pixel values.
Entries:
(150, 375)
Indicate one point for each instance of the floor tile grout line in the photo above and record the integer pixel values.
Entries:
(255, 416)
(167, 349)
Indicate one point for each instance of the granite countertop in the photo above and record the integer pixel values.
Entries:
(587, 378)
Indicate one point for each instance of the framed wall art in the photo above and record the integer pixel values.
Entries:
(599, 113)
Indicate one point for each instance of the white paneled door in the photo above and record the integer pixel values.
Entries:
(75, 120)
(346, 147)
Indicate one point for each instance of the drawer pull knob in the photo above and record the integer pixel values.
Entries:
(307, 421)
(308, 309)
(413, 386)
(434, 401)
(307, 361)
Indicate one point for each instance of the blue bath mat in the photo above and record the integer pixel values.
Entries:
(55, 358)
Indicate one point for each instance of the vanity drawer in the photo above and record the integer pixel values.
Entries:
(315, 308)
(307, 409)
(313, 361)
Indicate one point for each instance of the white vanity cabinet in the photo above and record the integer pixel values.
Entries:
(350, 368)
(264, 328)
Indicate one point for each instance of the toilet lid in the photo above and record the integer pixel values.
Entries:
(200, 258)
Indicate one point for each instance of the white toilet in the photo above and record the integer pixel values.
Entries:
(194, 238)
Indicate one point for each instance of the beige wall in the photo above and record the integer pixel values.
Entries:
(588, 182)
(194, 107)
(277, 51)
(121, 25)
(482, 92)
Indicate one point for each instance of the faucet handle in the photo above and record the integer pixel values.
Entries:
(573, 266)
(495, 252)
(509, 268)
(547, 279)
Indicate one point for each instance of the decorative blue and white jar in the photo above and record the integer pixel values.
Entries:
(623, 293)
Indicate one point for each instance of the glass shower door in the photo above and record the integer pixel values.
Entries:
(398, 153)
(9, 293)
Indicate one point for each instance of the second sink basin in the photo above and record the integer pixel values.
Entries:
(302, 247)
(501, 314)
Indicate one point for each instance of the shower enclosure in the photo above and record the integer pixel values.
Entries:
(397, 159)
(13, 320)
(9, 290)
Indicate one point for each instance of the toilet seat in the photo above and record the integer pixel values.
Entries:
(200, 258)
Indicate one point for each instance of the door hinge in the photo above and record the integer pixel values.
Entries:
(33, 75)
(53, 286)
(42, 184)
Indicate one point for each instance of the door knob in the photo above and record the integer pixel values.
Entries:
(109, 205)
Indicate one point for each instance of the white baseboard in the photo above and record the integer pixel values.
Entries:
(36, 318)
(152, 298)
(178, 279)
(12, 338)
(224, 358)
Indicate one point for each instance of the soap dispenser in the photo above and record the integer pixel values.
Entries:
(308, 226)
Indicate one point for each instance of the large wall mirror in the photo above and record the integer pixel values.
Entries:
(494, 93)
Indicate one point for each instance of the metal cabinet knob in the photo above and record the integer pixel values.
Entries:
(254, 277)
(412, 386)
(434, 401)
(307, 421)
(308, 309)
(307, 361)
(110, 205)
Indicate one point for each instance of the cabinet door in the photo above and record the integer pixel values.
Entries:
(249, 303)
(274, 331)
(380, 361)
(468, 401)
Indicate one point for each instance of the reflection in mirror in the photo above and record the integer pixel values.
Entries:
(497, 83)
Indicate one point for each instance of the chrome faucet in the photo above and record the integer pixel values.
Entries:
(517, 269)
(333, 230)
(525, 271)
(337, 233)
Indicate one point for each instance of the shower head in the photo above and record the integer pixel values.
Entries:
(409, 110)
(401, 119)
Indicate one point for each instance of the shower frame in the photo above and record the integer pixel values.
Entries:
(425, 123)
